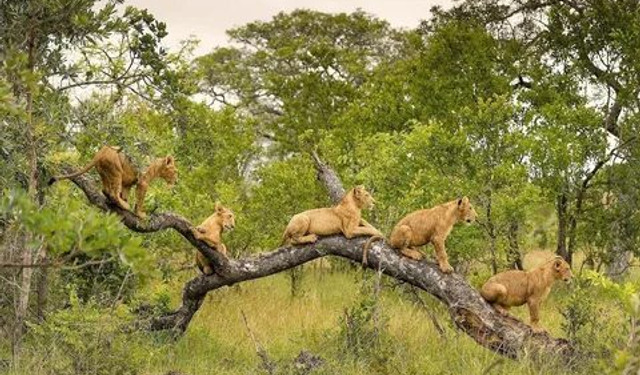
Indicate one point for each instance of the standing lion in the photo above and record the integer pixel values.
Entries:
(119, 175)
(516, 288)
(433, 226)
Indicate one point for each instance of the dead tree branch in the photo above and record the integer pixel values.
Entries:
(329, 179)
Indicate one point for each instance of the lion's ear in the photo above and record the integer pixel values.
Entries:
(459, 202)
(558, 263)
(219, 207)
(357, 191)
(169, 160)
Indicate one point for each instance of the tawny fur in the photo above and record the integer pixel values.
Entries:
(535, 258)
(433, 226)
(210, 231)
(344, 218)
(119, 176)
(516, 288)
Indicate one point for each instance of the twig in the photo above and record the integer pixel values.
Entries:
(432, 317)
(267, 363)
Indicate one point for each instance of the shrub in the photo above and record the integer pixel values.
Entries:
(596, 316)
(363, 331)
(85, 339)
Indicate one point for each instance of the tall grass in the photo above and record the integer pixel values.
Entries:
(219, 342)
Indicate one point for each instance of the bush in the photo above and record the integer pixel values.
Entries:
(596, 317)
(363, 331)
(87, 340)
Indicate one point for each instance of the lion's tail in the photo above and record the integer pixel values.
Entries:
(367, 246)
(75, 174)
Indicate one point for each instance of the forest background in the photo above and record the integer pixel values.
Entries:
(528, 107)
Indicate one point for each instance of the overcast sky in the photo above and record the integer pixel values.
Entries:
(208, 20)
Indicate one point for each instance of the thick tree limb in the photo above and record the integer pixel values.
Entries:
(470, 313)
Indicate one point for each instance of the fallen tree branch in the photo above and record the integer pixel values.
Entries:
(469, 312)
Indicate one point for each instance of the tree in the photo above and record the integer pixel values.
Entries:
(40, 45)
(298, 72)
(579, 44)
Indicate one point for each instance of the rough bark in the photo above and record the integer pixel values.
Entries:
(514, 256)
(470, 313)
(562, 208)
(468, 310)
(620, 255)
(329, 179)
(24, 289)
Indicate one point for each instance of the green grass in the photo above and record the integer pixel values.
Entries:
(218, 339)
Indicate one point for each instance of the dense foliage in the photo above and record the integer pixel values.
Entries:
(528, 107)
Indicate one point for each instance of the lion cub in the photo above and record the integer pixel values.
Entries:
(344, 218)
(119, 176)
(431, 225)
(210, 231)
(515, 288)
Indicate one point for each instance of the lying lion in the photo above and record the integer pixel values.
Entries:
(431, 225)
(344, 218)
(515, 288)
(119, 175)
(210, 231)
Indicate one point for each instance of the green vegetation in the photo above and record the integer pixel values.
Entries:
(536, 122)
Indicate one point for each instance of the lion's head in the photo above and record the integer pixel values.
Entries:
(466, 212)
(562, 270)
(225, 216)
(362, 197)
(167, 170)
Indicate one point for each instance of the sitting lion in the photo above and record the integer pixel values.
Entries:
(515, 288)
(210, 231)
(344, 218)
(431, 225)
(119, 175)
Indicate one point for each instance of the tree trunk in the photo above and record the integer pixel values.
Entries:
(562, 208)
(329, 179)
(491, 232)
(43, 291)
(514, 255)
(469, 312)
(619, 258)
(27, 256)
(619, 261)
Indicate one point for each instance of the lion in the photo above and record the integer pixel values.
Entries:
(119, 175)
(515, 288)
(210, 231)
(431, 225)
(344, 218)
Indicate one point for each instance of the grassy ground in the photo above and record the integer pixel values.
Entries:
(218, 338)
(219, 342)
